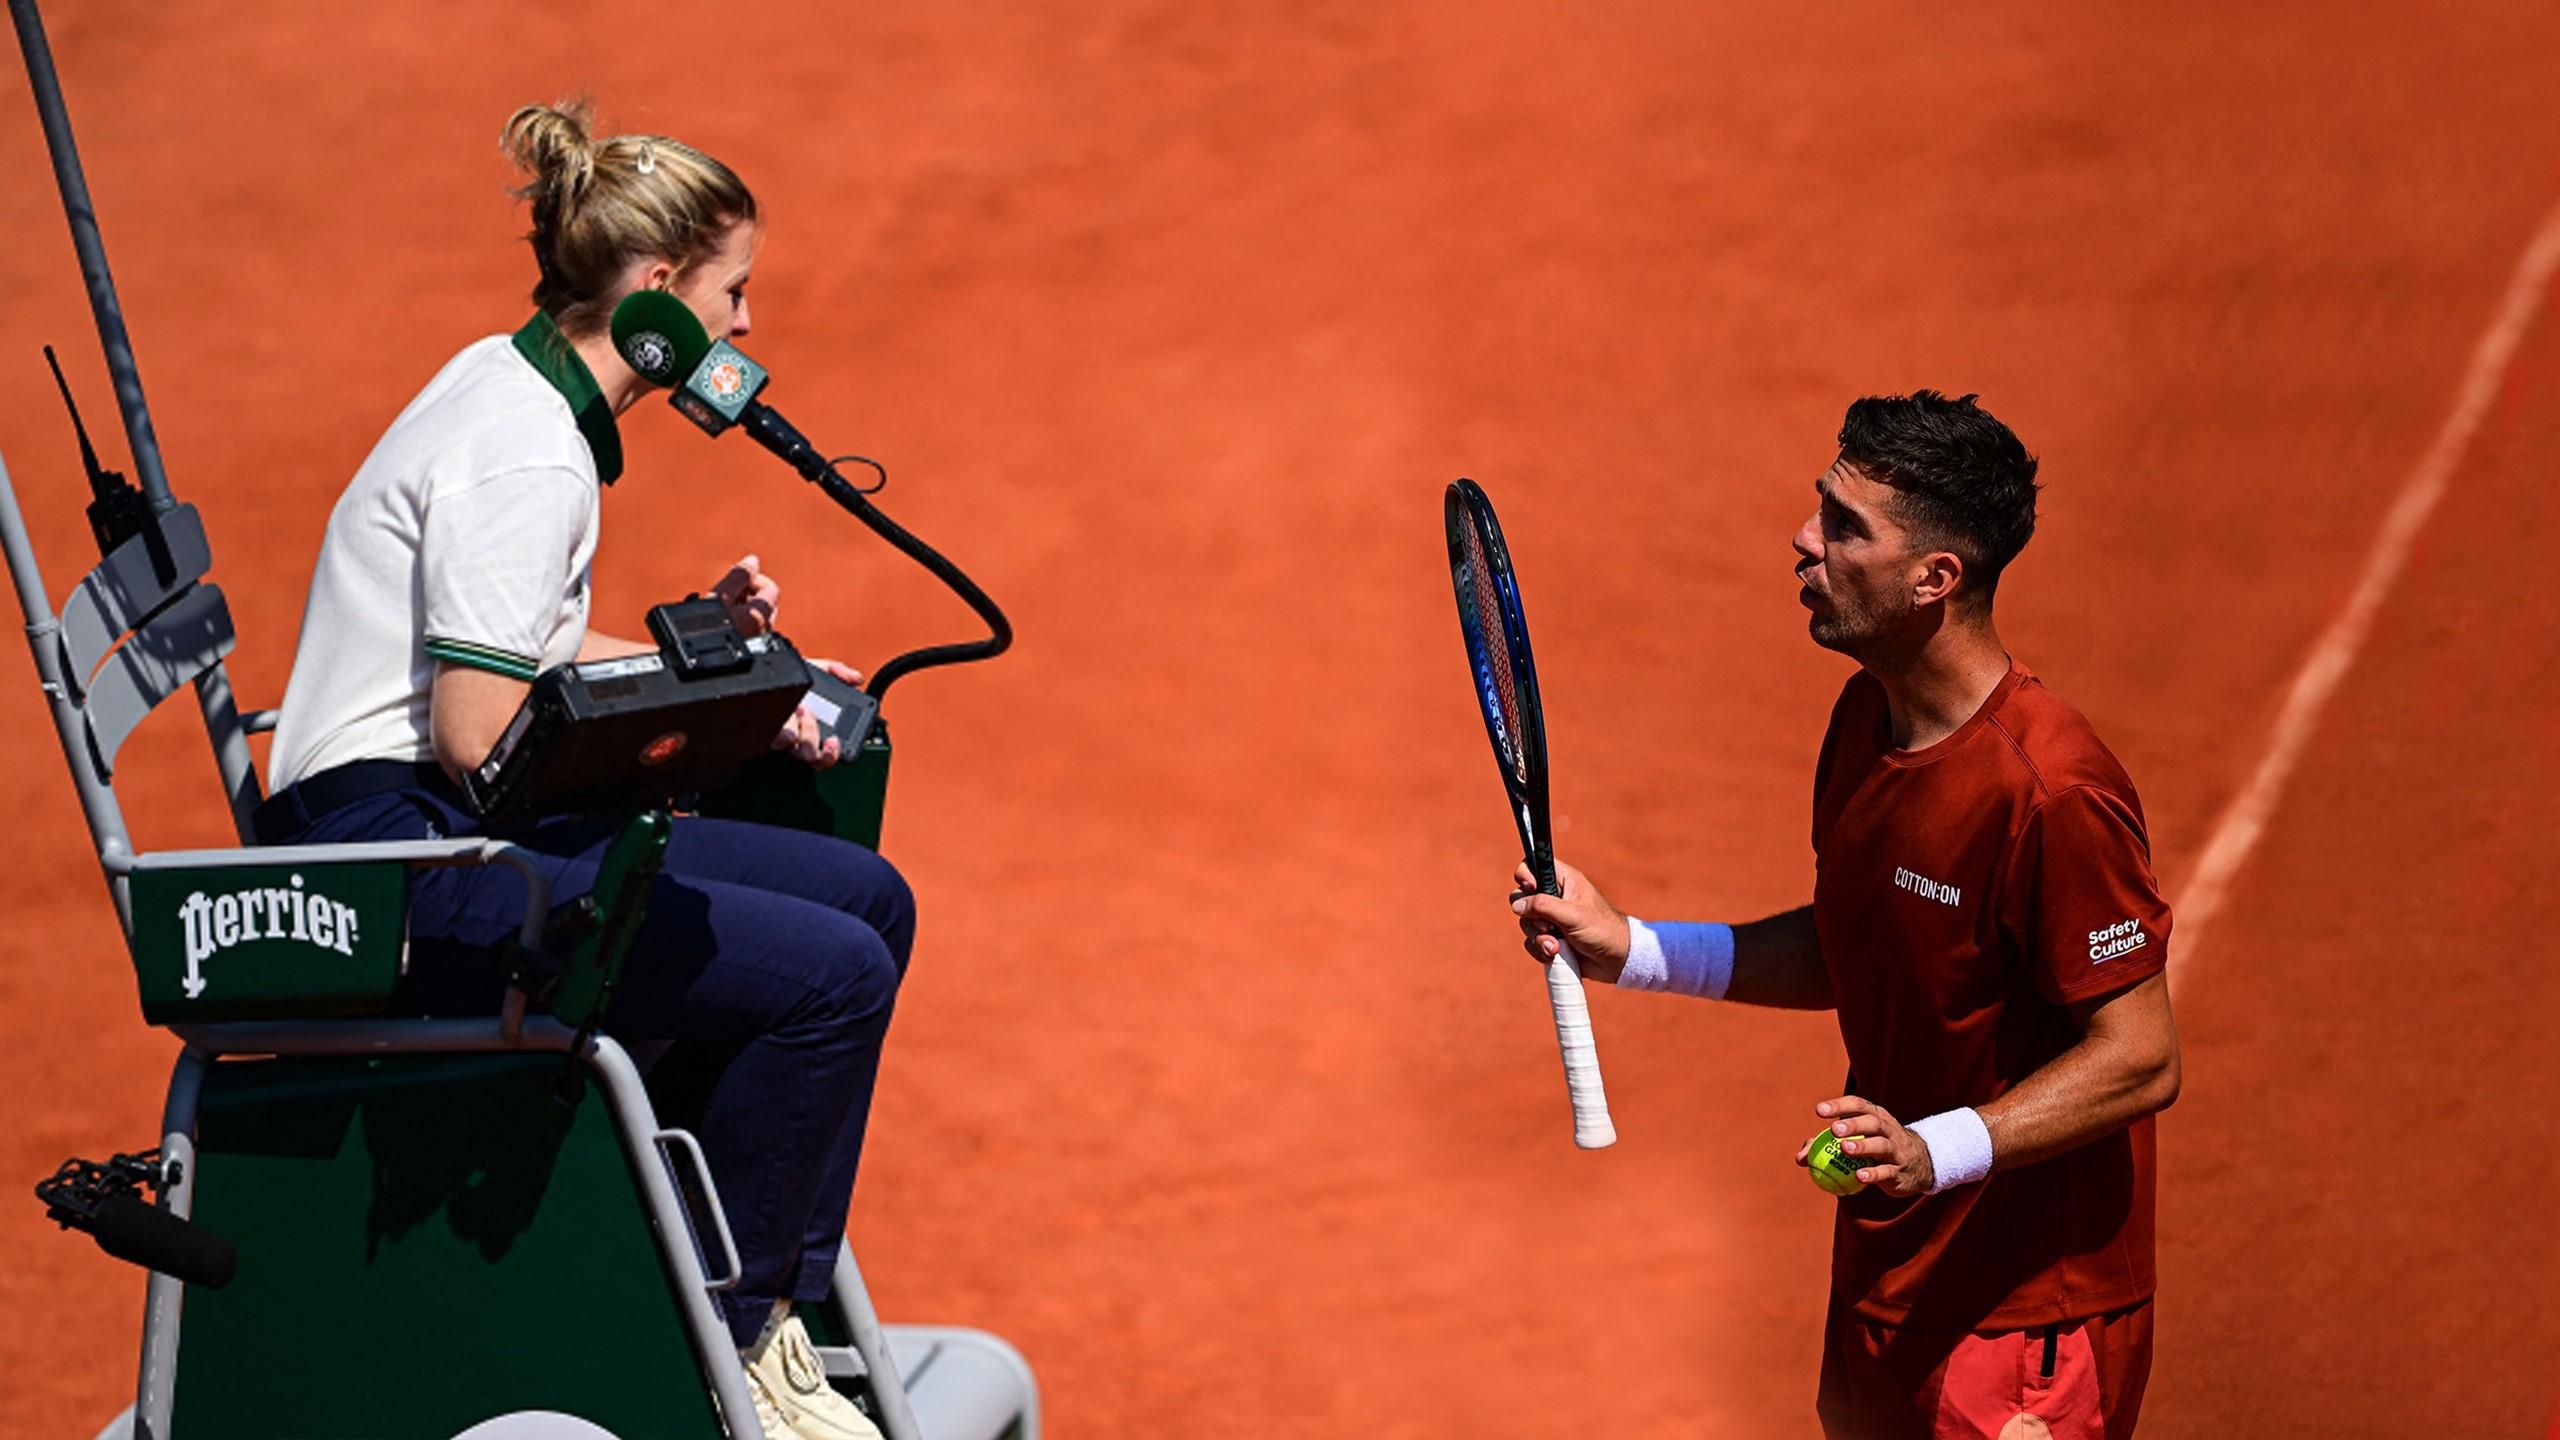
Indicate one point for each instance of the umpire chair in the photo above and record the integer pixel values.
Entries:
(480, 1244)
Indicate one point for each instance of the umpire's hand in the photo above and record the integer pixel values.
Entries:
(802, 735)
(751, 597)
(1582, 916)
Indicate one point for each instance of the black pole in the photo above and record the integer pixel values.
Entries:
(93, 254)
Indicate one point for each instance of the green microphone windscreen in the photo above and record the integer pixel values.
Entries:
(658, 336)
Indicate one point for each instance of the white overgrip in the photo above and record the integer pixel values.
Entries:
(1592, 1129)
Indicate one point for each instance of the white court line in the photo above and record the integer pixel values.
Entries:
(2236, 831)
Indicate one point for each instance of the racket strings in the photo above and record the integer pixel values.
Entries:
(1495, 650)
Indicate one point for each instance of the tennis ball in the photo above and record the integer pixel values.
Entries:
(1833, 1171)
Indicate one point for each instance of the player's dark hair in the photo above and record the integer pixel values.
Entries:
(1963, 481)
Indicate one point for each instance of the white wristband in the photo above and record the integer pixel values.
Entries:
(1959, 1147)
(1682, 957)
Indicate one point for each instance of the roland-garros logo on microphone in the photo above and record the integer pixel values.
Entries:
(725, 379)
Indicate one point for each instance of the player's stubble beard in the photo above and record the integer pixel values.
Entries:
(1840, 623)
(1856, 626)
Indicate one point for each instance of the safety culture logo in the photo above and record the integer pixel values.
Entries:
(217, 923)
(2116, 941)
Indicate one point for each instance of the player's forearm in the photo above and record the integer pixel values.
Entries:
(1778, 962)
(1774, 962)
(2093, 1089)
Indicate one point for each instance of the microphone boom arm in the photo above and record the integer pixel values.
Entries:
(783, 439)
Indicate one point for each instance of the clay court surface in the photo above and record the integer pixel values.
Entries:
(1220, 1086)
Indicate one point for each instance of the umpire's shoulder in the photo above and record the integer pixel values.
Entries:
(496, 417)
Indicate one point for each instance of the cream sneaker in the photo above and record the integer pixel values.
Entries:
(789, 1383)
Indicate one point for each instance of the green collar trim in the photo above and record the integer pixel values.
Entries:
(541, 343)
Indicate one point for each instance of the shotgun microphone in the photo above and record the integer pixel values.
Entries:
(104, 1199)
(133, 1229)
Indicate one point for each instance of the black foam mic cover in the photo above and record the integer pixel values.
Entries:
(131, 1228)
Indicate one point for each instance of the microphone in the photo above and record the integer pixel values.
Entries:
(133, 1229)
(658, 336)
(712, 382)
(714, 385)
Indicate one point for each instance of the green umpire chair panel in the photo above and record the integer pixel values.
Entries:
(405, 1212)
(846, 800)
(268, 942)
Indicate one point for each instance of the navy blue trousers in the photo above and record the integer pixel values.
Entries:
(778, 951)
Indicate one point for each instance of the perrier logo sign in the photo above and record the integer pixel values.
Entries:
(268, 941)
(215, 923)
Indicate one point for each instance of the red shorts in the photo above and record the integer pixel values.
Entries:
(2080, 1380)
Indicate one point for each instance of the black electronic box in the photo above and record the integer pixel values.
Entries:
(613, 736)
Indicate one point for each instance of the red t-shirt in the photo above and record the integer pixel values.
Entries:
(1965, 894)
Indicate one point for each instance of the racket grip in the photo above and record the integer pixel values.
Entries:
(1592, 1129)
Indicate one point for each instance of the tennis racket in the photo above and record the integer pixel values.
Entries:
(1506, 684)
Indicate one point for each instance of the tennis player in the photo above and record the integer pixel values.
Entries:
(1986, 924)
(454, 570)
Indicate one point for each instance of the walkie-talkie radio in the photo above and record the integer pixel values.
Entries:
(118, 510)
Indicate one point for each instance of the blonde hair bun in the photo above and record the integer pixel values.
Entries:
(598, 205)
(550, 144)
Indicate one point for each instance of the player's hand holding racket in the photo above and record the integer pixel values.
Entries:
(1578, 915)
(1496, 631)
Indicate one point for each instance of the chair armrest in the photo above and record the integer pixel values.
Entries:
(468, 851)
(258, 722)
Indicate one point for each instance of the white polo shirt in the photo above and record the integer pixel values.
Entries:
(464, 538)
